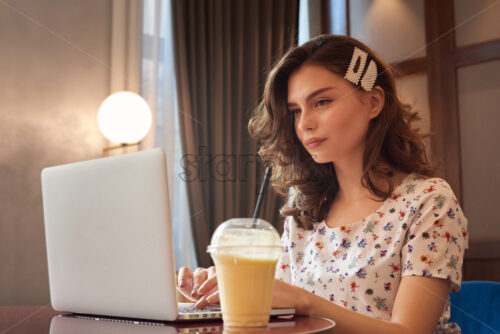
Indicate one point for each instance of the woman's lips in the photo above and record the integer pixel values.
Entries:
(314, 142)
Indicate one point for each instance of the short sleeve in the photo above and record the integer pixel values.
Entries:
(283, 266)
(437, 237)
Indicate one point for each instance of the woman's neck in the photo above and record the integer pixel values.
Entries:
(349, 176)
(351, 188)
(353, 201)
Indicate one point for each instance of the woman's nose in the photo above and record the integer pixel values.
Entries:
(306, 122)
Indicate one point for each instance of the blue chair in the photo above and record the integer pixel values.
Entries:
(476, 307)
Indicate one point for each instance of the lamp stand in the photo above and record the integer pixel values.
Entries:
(123, 146)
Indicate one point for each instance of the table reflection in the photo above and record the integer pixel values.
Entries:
(76, 324)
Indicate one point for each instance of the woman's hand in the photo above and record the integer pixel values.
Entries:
(290, 296)
(199, 286)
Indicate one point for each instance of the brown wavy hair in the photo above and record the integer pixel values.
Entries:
(391, 141)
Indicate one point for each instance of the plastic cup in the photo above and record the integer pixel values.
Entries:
(245, 252)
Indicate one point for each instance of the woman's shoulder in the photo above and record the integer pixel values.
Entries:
(424, 186)
(422, 194)
(417, 192)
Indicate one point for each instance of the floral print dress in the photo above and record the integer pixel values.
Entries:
(419, 231)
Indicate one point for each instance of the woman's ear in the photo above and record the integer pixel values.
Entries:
(377, 101)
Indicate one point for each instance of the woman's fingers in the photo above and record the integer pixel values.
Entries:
(185, 282)
(210, 283)
(197, 285)
(212, 297)
(184, 275)
(200, 275)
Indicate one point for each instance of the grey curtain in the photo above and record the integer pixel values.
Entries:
(223, 52)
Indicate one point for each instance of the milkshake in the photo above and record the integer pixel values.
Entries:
(245, 252)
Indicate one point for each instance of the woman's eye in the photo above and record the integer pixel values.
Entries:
(321, 103)
(294, 111)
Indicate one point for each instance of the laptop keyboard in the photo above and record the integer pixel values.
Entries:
(189, 308)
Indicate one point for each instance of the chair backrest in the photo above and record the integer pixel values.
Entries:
(476, 307)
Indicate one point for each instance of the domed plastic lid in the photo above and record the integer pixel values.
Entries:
(246, 237)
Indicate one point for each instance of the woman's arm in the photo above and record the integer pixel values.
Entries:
(417, 308)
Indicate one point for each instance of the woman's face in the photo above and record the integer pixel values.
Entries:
(331, 116)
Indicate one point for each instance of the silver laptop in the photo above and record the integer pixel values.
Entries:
(109, 239)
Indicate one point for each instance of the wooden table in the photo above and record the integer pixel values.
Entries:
(43, 319)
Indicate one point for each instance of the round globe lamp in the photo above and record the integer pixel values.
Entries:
(124, 118)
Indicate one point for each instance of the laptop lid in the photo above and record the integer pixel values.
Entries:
(109, 236)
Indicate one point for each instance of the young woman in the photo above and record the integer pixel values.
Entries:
(372, 239)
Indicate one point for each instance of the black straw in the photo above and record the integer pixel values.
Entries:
(267, 174)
